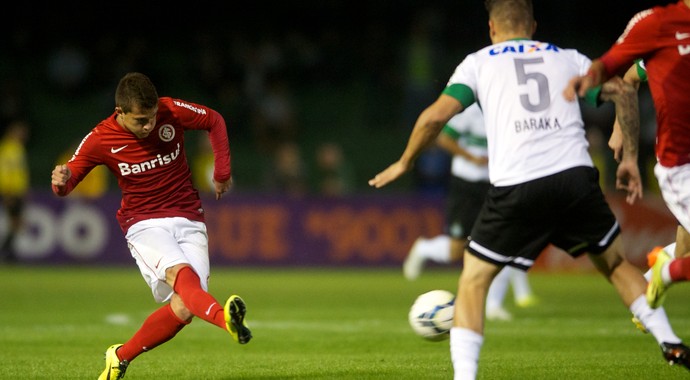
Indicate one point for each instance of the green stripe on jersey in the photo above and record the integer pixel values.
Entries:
(460, 92)
(592, 96)
(641, 70)
(447, 130)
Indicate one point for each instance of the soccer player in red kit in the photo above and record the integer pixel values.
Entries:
(661, 37)
(161, 215)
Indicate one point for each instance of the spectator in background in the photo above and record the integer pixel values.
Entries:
(287, 172)
(431, 171)
(14, 182)
(203, 166)
(334, 173)
(68, 67)
(274, 118)
(421, 58)
(12, 97)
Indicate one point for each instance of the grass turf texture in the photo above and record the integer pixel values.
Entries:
(321, 324)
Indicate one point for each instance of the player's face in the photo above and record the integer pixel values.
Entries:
(139, 122)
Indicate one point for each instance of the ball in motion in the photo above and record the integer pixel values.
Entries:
(431, 315)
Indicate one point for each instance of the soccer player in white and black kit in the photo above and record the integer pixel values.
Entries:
(545, 188)
(161, 215)
(464, 137)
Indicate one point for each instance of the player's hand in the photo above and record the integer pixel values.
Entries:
(389, 175)
(480, 160)
(61, 174)
(577, 87)
(628, 179)
(616, 143)
(222, 187)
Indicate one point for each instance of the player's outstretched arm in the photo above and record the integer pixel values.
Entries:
(624, 96)
(426, 129)
(390, 174)
(632, 76)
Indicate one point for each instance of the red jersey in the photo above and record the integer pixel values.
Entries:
(153, 173)
(661, 37)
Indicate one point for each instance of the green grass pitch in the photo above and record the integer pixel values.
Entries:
(318, 323)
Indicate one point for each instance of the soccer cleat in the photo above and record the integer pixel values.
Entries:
(527, 301)
(414, 262)
(656, 289)
(676, 353)
(639, 325)
(114, 367)
(235, 310)
(498, 314)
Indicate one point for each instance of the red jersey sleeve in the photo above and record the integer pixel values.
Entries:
(640, 38)
(85, 158)
(220, 145)
(661, 37)
(197, 116)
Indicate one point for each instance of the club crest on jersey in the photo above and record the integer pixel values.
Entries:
(166, 133)
(523, 48)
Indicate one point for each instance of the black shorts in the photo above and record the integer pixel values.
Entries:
(566, 209)
(465, 200)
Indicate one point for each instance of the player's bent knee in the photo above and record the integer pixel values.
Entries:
(179, 308)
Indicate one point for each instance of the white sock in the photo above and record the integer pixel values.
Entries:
(519, 282)
(498, 289)
(665, 276)
(654, 320)
(436, 249)
(465, 345)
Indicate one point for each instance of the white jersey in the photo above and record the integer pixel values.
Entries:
(468, 130)
(532, 130)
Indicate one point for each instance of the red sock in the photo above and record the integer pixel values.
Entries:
(679, 269)
(157, 329)
(198, 301)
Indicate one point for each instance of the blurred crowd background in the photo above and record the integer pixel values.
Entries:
(318, 95)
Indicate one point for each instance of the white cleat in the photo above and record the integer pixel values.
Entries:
(414, 262)
(498, 314)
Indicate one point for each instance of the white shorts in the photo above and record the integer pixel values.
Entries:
(158, 244)
(674, 184)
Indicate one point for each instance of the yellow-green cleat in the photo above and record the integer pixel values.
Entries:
(527, 301)
(235, 310)
(114, 367)
(639, 325)
(656, 288)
